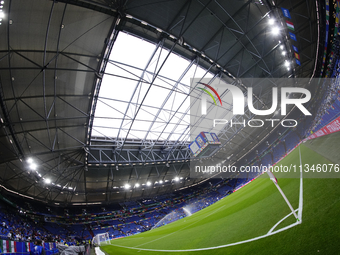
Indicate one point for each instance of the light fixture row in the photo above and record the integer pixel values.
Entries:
(2, 13)
(275, 30)
(33, 166)
(137, 185)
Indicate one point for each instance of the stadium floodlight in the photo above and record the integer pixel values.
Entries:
(33, 166)
(148, 183)
(137, 185)
(287, 64)
(176, 179)
(271, 21)
(127, 186)
(275, 30)
(274, 180)
(160, 181)
(47, 181)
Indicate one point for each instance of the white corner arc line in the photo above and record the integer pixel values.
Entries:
(182, 228)
(215, 247)
(272, 229)
(270, 233)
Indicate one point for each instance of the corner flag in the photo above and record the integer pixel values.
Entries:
(273, 178)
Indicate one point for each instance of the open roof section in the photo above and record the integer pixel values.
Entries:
(145, 92)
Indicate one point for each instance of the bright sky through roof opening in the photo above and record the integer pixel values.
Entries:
(164, 109)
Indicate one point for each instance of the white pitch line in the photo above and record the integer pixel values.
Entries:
(272, 229)
(180, 229)
(301, 189)
(215, 247)
(300, 200)
(270, 233)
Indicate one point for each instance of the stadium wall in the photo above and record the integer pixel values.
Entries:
(14, 248)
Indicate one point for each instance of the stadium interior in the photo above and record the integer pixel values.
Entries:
(99, 109)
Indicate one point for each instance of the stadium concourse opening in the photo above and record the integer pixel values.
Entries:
(108, 107)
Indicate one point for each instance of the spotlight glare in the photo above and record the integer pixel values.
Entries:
(271, 21)
(187, 211)
(176, 179)
(148, 183)
(161, 182)
(275, 30)
(283, 53)
(47, 181)
(286, 63)
(29, 160)
(33, 166)
(137, 185)
(127, 186)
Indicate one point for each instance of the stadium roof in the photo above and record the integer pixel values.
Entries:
(96, 92)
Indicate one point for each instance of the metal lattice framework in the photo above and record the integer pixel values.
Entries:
(55, 55)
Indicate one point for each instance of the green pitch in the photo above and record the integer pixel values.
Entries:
(251, 212)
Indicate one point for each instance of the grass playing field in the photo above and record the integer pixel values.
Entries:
(251, 212)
